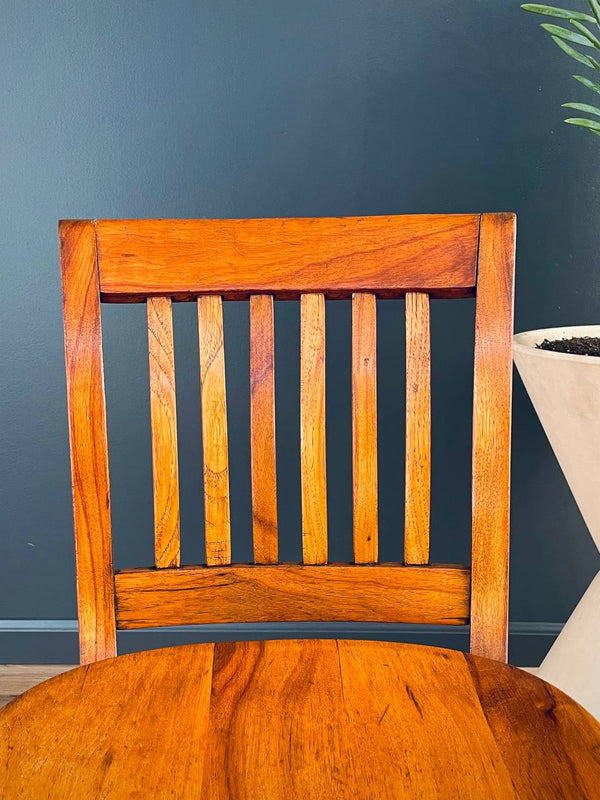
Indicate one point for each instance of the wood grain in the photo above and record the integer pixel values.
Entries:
(418, 430)
(492, 398)
(163, 414)
(214, 431)
(262, 430)
(318, 719)
(312, 429)
(423, 713)
(140, 718)
(88, 441)
(527, 706)
(310, 749)
(285, 257)
(367, 257)
(364, 427)
(294, 592)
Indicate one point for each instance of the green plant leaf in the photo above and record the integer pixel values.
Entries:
(584, 123)
(561, 13)
(570, 51)
(589, 84)
(595, 6)
(587, 34)
(587, 109)
(565, 33)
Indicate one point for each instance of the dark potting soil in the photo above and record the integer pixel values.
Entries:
(577, 345)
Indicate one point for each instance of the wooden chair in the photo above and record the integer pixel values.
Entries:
(416, 257)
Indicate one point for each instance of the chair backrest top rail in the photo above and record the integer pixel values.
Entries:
(388, 255)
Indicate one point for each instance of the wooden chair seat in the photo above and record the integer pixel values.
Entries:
(314, 719)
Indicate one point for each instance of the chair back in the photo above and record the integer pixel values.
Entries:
(210, 261)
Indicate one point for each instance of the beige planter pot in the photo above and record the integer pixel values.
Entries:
(573, 663)
(565, 391)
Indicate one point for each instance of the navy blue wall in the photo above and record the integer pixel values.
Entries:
(280, 108)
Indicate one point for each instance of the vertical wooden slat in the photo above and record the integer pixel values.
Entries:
(214, 430)
(491, 436)
(418, 429)
(163, 415)
(312, 428)
(364, 427)
(88, 441)
(262, 429)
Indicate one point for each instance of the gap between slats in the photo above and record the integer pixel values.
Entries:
(313, 450)
(364, 427)
(164, 432)
(312, 428)
(214, 430)
(418, 429)
(262, 430)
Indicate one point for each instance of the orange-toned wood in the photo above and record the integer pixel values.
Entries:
(364, 427)
(262, 430)
(122, 734)
(553, 728)
(285, 257)
(312, 429)
(214, 430)
(284, 719)
(418, 429)
(88, 441)
(420, 257)
(252, 593)
(491, 436)
(165, 471)
(393, 723)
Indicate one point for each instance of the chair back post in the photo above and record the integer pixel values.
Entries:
(492, 401)
(88, 441)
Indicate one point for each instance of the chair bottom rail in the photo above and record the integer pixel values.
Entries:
(436, 594)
